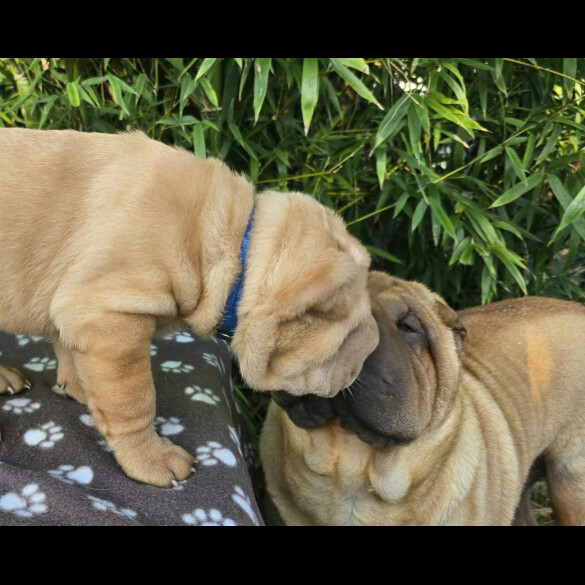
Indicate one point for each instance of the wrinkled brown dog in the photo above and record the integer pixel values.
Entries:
(106, 238)
(441, 428)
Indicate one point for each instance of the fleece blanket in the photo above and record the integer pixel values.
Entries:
(56, 469)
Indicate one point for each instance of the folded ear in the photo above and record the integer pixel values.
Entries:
(450, 318)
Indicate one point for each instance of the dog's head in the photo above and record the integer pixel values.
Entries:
(408, 381)
(304, 321)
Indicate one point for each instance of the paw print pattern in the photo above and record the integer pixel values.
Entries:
(25, 340)
(21, 405)
(243, 501)
(214, 361)
(213, 517)
(69, 474)
(235, 438)
(87, 420)
(167, 427)
(104, 445)
(213, 453)
(202, 395)
(105, 506)
(30, 502)
(41, 364)
(180, 337)
(176, 367)
(44, 437)
(153, 350)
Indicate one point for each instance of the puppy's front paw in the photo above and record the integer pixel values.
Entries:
(12, 381)
(156, 461)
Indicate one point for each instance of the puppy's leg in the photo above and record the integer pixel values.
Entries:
(115, 372)
(12, 381)
(67, 376)
(565, 476)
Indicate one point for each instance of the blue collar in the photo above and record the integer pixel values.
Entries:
(230, 321)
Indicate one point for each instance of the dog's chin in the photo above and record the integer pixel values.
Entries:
(313, 412)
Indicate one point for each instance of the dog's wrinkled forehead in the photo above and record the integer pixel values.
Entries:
(385, 289)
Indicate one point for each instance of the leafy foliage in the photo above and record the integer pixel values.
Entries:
(465, 174)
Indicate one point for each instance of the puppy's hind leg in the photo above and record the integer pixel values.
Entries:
(12, 381)
(565, 476)
(67, 377)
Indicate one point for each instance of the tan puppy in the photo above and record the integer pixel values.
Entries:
(452, 427)
(106, 238)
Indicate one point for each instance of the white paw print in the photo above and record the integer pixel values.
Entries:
(167, 427)
(213, 517)
(29, 503)
(180, 337)
(104, 445)
(25, 340)
(202, 395)
(105, 506)
(243, 501)
(213, 453)
(21, 405)
(41, 364)
(176, 367)
(87, 420)
(153, 349)
(44, 437)
(235, 438)
(81, 475)
(215, 361)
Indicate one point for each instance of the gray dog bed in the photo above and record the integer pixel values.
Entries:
(56, 469)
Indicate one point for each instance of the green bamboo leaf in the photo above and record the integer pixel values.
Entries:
(381, 166)
(188, 85)
(73, 94)
(309, 90)
(383, 254)
(508, 258)
(516, 164)
(240, 139)
(117, 91)
(439, 212)
(358, 64)
(418, 214)
(565, 200)
(529, 151)
(354, 82)
(392, 121)
(261, 72)
(400, 204)
(209, 91)
(572, 213)
(199, 140)
(518, 190)
(550, 144)
(205, 67)
(458, 250)
(570, 70)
